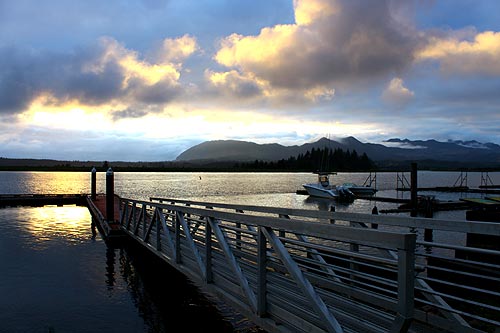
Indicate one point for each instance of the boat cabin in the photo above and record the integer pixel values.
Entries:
(324, 178)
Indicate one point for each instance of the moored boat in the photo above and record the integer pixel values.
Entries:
(324, 189)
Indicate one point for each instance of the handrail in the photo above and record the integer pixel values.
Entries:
(243, 257)
(441, 266)
(480, 227)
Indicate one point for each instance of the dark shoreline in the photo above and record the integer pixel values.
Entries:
(10, 164)
(222, 169)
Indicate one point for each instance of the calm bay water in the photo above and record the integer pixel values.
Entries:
(270, 189)
(58, 275)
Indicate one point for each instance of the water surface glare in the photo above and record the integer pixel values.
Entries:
(58, 275)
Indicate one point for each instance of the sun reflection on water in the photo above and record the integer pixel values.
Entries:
(67, 224)
(53, 182)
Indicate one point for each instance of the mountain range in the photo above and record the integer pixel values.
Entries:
(393, 152)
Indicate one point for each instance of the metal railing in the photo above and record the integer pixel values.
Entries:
(286, 275)
(457, 285)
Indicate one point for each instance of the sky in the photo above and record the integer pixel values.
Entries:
(143, 80)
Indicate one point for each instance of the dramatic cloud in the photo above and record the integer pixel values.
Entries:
(396, 94)
(236, 85)
(96, 75)
(480, 54)
(332, 43)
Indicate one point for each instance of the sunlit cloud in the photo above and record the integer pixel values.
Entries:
(177, 50)
(45, 111)
(331, 44)
(396, 94)
(477, 55)
(306, 12)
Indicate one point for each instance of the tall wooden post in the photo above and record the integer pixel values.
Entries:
(413, 188)
(110, 196)
(93, 186)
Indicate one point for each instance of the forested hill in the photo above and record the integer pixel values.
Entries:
(324, 159)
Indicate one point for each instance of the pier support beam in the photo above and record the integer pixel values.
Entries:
(110, 196)
(93, 184)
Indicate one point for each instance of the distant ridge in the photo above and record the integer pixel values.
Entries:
(393, 151)
(394, 154)
(244, 151)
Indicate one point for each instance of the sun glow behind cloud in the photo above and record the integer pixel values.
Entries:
(45, 111)
(181, 121)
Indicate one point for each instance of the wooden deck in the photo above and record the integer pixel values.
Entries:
(110, 228)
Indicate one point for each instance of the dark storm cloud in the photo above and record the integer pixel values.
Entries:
(128, 113)
(25, 75)
(161, 92)
(363, 41)
(16, 89)
(94, 75)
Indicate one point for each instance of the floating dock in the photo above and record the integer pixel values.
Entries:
(461, 189)
(38, 200)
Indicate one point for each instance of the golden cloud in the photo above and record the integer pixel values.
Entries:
(479, 55)
(309, 11)
(178, 49)
(266, 48)
(333, 43)
(397, 94)
(135, 68)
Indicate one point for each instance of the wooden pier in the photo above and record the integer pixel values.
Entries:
(296, 270)
(108, 226)
(292, 270)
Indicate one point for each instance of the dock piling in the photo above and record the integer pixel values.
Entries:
(93, 182)
(110, 195)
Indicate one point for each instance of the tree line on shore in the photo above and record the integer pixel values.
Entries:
(314, 160)
(324, 159)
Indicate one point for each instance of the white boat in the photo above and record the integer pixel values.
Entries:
(324, 189)
(360, 189)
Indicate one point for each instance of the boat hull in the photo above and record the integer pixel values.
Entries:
(317, 191)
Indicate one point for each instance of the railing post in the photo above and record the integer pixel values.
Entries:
(261, 273)
(177, 237)
(208, 251)
(406, 285)
(238, 231)
(158, 211)
(332, 209)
